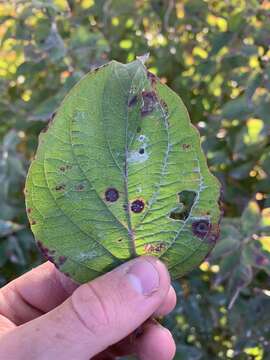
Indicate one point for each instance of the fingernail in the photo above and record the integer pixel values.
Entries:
(143, 277)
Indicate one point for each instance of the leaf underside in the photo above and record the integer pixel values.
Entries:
(119, 173)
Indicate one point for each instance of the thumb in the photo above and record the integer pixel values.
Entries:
(97, 315)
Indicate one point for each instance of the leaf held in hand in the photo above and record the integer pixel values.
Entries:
(120, 173)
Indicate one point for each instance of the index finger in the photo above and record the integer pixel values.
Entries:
(34, 293)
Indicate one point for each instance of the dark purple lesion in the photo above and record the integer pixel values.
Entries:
(204, 230)
(49, 123)
(50, 255)
(111, 195)
(133, 100)
(150, 100)
(137, 206)
(152, 78)
(201, 228)
(46, 252)
(61, 260)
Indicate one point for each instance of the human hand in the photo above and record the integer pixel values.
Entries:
(46, 316)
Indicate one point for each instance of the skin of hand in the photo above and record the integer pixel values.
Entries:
(44, 315)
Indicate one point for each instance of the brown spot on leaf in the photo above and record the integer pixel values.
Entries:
(64, 168)
(214, 233)
(111, 195)
(61, 260)
(155, 248)
(186, 146)
(164, 107)
(152, 77)
(28, 210)
(33, 222)
(137, 206)
(45, 251)
(149, 102)
(60, 187)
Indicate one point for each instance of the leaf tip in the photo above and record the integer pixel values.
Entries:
(143, 58)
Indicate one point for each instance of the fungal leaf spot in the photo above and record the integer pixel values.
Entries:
(155, 248)
(60, 187)
(201, 228)
(79, 187)
(137, 206)
(120, 174)
(111, 195)
(133, 101)
(150, 101)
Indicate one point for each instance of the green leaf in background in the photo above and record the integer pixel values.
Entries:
(120, 173)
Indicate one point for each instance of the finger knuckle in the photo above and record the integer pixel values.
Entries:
(91, 308)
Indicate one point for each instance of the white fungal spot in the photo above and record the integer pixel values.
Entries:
(84, 256)
(136, 157)
(142, 138)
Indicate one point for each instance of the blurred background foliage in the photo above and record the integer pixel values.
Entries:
(215, 54)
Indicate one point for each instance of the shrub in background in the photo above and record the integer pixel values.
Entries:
(215, 55)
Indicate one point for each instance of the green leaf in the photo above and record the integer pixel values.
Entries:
(117, 161)
(251, 218)
(229, 242)
(236, 109)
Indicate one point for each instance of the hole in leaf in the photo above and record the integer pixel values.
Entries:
(186, 200)
(141, 151)
(111, 195)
